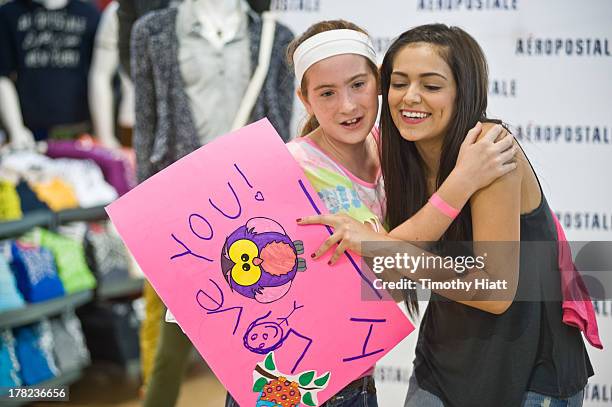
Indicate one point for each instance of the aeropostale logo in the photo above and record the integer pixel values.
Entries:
(392, 374)
(310, 6)
(583, 220)
(598, 392)
(469, 5)
(563, 133)
(603, 309)
(503, 88)
(580, 47)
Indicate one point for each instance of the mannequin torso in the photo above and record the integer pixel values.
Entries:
(165, 129)
(214, 61)
(10, 112)
(220, 19)
(45, 52)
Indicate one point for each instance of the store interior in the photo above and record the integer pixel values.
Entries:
(71, 305)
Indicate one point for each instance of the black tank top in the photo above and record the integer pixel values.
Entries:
(469, 358)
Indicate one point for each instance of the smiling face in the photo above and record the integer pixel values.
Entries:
(422, 93)
(342, 94)
(263, 337)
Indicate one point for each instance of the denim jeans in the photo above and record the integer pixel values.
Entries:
(354, 397)
(417, 397)
(533, 399)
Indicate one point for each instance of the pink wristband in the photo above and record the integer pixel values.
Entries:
(443, 207)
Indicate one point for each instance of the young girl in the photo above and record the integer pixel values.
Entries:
(510, 351)
(335, 66)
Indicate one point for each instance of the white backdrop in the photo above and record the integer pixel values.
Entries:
(550, 64)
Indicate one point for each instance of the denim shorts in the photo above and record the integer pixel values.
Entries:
(417, 397)
(361, 396)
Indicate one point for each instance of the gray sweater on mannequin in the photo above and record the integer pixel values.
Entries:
(164, 130)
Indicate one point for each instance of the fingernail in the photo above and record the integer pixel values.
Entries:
(312, 255)
(298, 220)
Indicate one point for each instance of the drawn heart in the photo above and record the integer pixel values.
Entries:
(259, 196)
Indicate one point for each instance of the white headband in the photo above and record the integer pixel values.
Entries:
(328, 44)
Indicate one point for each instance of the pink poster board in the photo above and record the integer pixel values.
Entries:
(216, 235)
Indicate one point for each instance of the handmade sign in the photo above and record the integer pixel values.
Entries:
(216, 235)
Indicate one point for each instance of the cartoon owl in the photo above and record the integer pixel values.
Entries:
(260, 261)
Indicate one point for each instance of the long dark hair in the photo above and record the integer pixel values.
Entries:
(402, 166)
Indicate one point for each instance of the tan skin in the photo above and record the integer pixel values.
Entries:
(496, 208)
(342, 88)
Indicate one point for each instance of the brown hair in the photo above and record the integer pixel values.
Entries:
(402, 166)
(322, 26)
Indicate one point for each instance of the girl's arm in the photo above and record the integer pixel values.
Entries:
(495, 218)
(496, 236)
(479, 163)
(496, 212)
(495, 230)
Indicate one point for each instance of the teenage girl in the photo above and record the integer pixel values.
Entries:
(335, 67)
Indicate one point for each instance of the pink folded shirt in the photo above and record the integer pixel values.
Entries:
(577, 307)
(115, 166)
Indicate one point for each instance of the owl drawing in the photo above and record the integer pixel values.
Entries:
(260, 261)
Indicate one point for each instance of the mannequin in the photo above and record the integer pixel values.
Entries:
(223, 66)
(220, 19)
(10, 111)
(27, 45)
(209, 33)
(104, 66)
(170, 116)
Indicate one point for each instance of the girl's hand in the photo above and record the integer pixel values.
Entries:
(348, 233)
(481, 162)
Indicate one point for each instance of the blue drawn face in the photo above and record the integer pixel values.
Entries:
(263, 337)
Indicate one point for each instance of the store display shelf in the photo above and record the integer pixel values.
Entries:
(81, 214)
(65, 379)
(33, 219)
(49, 219)
(34, 312)
(117, 289)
